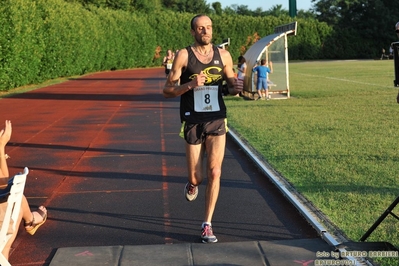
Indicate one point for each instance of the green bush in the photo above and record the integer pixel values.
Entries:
(21, 43)
(47, 39)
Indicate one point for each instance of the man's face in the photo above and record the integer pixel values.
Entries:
(202, 32)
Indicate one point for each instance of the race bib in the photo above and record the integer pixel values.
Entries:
(206, 99)
(169, 66)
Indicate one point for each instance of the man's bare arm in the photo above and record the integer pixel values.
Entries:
(171, 89)
(231, 81)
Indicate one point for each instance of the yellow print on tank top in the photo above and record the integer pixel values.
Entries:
(213, 75)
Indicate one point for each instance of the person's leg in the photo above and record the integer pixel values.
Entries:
(264, 86)
(193, 135)
(259, 88)
(194, 155)
(6, 250)
(27, 216)
(32, 220)
(215, 148)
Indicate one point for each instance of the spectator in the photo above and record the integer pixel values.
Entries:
(383, 55)
(242, 68)
(262, 71)
(168, 61)
(32, 220)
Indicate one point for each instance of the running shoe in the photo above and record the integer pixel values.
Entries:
(207, 235)
(190, 192)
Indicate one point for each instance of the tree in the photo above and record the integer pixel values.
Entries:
(258, 12)
(305, 14)
(118, 4)
(98, 3)
(243, 10)
(217, 6)
(170, 4)
(238, 10)
(369, 23)
(146, 6)
(363, 15)
(331, 11)
(193, 6)
(277, 11)
(229, 11)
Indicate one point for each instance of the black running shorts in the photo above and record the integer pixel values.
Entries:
(196, 133)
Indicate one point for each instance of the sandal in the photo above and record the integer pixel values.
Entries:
(32, 225)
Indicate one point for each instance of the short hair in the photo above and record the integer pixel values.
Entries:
(263, 61)
(241, 58)
(195, 17)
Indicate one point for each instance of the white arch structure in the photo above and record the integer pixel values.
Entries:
(264, 49)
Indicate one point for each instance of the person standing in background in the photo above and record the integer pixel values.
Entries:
(262, 71)
(242, 68)
(168, 61)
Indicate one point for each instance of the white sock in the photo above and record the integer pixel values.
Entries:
(206, 223)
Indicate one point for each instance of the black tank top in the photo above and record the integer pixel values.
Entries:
(206, 106)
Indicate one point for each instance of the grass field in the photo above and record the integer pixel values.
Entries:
(336, 140)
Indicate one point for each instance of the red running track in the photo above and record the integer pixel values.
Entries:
(105, 158)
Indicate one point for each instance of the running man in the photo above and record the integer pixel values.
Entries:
(201, 68)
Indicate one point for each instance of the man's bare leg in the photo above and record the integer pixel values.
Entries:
(195, 154)
(215, 147)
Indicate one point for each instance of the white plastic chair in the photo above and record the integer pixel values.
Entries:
(14, 202)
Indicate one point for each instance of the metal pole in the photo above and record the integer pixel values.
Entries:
(287, 75)
(382, 217)
(395, 47)
(292, 8)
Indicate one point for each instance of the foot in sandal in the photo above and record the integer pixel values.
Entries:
(39, 217)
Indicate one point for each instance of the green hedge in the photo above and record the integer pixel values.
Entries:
(46, 39)
(173, 32)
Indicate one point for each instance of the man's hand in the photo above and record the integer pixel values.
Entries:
(200, 79)
(239, 85)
